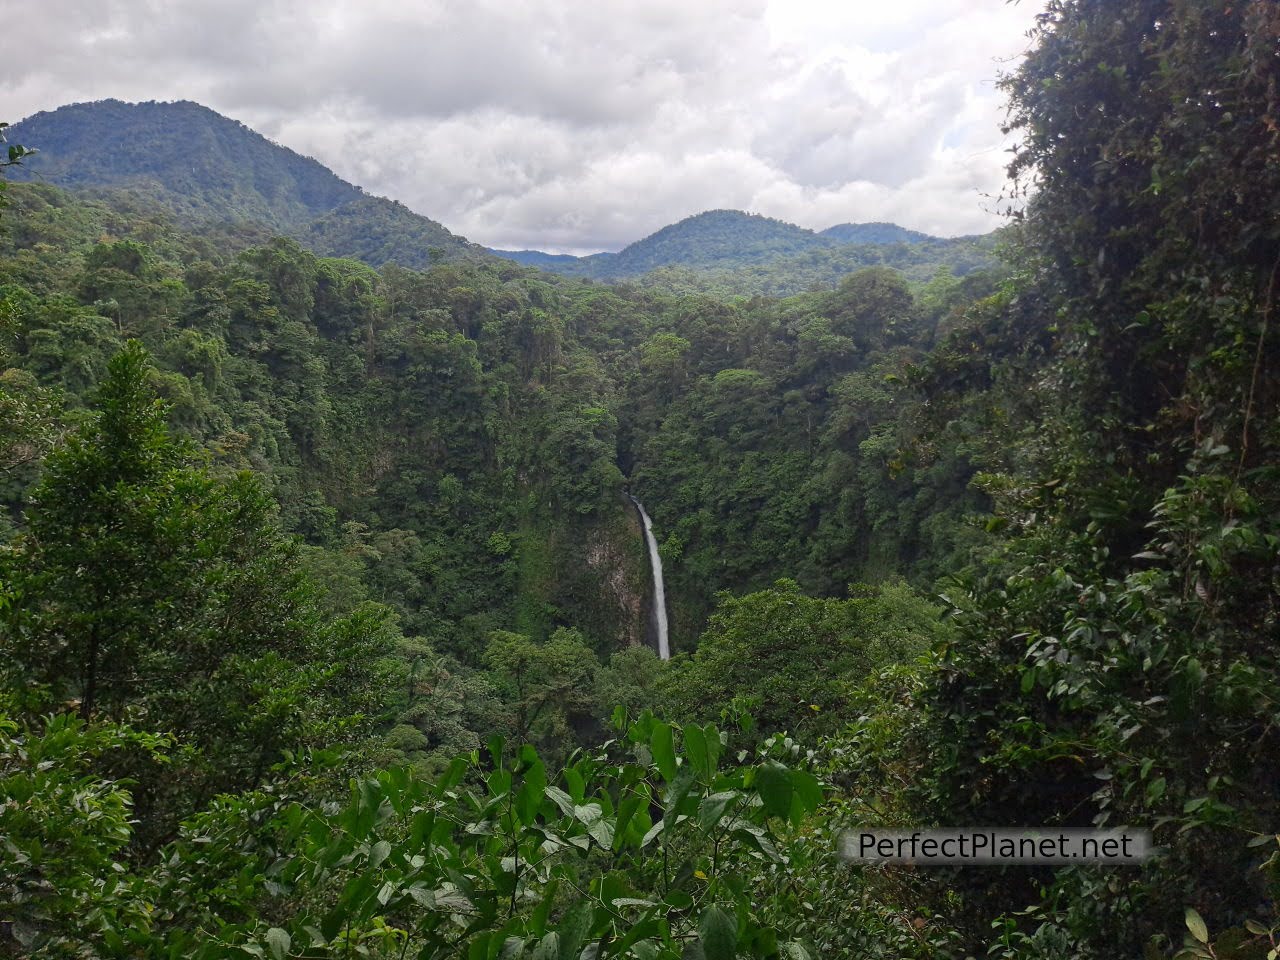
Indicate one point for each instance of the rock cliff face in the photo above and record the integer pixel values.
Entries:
(611, 555)
(593, 576)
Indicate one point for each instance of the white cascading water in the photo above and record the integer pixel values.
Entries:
(659, 591)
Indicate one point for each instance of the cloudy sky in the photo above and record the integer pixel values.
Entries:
(574, 125)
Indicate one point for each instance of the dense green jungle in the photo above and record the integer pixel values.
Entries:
(326, 618)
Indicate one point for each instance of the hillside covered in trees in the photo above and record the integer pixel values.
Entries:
(730, 253)
(205, 171)
(325, 616)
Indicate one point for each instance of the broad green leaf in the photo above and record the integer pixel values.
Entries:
(574, 930)
(678, 899)
(718, 932)
(662, 743)
(712, 738)
(452, 776)
(548, 947)
(695, 745)
(601, 830)
(646, 926)
(573, 780)
(676, 794)
(538, 922)
(711, 810)
(626, 810)
(807, 788)
(278, 942)
(1195, 923)
(561, 800)
(653, 832)
(529, 799)
(773, 781)
(612, 887)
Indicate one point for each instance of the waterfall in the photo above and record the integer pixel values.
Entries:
(659, 591)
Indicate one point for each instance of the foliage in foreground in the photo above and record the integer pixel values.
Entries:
(656, 844)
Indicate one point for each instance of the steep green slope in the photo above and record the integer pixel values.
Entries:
(201, 165)
(378, 231)
(205, 169)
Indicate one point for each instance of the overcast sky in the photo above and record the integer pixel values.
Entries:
(574, 125)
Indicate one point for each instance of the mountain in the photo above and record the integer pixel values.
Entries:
(717, 238)
(199, 164)
(380, 231)
(874, 233)
(732, 253)
(713, 240)
(544, 261)
(204, 168)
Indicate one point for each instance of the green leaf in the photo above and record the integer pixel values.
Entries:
(651, 833)
(718, 932)
(712, 809)
(601, 830)
(560, 799)
(577, 786)
(574, 930)
(626, 810)
(712, 737)
(278, 942)
(695, 745)
(538, 922)
(808, 789)
(676, 794)
(377, 853)
(496, 744)
(529, 799)
(452, 776)
(678, 900)
(548, 947)
(662, 743)
(773, 781)
(646, 926)
(1195, 923)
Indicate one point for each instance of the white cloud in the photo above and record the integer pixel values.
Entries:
(581, 124)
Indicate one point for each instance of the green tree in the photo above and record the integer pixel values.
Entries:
(796, 659)
(145, 586)
(547, 687)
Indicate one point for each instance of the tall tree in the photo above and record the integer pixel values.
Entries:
(148, 588)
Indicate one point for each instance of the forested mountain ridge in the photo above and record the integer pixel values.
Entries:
(205, 169)
(874, 233)
(201, 165)
(719, 251)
